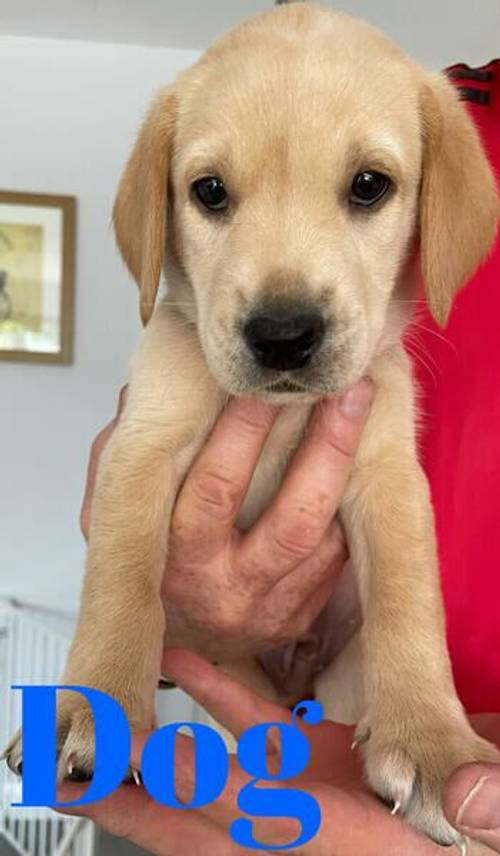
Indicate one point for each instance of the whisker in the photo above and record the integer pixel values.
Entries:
(417, 356)
(418, 343)
(435, 333)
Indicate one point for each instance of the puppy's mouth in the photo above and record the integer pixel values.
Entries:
(287, 390)
(286, 387)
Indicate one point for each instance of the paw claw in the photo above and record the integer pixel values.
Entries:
(12, 754)
(78, 775)
(361, 736)
(397, 806)
(17, 769)
(136, 777)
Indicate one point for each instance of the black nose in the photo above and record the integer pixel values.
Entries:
(284, 342)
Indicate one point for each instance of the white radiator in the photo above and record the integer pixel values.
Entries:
(33, 648)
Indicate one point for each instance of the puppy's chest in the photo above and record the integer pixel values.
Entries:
(281, 443)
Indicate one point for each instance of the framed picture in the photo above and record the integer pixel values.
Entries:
(37, 258)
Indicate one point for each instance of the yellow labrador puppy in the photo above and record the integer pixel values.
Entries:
(292, 185)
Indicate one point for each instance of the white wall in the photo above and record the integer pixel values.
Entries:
(435, 31)
(69, 111)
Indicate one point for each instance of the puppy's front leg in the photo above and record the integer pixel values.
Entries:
(171, 406)
(414, 731)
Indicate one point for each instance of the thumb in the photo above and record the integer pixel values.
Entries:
(472, 802)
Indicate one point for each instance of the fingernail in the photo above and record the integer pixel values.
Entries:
(481, 807)
(355, 403)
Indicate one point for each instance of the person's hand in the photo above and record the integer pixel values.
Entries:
(354, 821)
(253, 591)
(472, 797)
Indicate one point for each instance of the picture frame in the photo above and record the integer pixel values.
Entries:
(37, 271)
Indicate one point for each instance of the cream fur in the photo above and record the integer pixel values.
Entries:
(288, 107)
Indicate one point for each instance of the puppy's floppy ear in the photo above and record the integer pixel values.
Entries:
(459, 208)
(140, 209)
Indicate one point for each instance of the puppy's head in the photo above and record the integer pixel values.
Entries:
(291, 183)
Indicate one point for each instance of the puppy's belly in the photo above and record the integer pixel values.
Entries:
(297, 668)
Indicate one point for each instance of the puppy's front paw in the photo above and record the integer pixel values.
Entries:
(75, 739)
(408, 763)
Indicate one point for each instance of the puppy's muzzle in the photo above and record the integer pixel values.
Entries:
(284, 341)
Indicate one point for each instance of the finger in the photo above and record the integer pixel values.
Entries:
(96, 451)
(131, 813)
(347, 812)
(238, 708)
(212, 494)
(295, 523)
(353, 822)
(472, 802)
(224, 809)
(303, 592)
(232, 704)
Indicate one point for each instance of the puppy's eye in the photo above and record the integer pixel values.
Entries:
(368, 187)
(212, 194)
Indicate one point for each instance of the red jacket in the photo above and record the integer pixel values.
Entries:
(460, 440)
